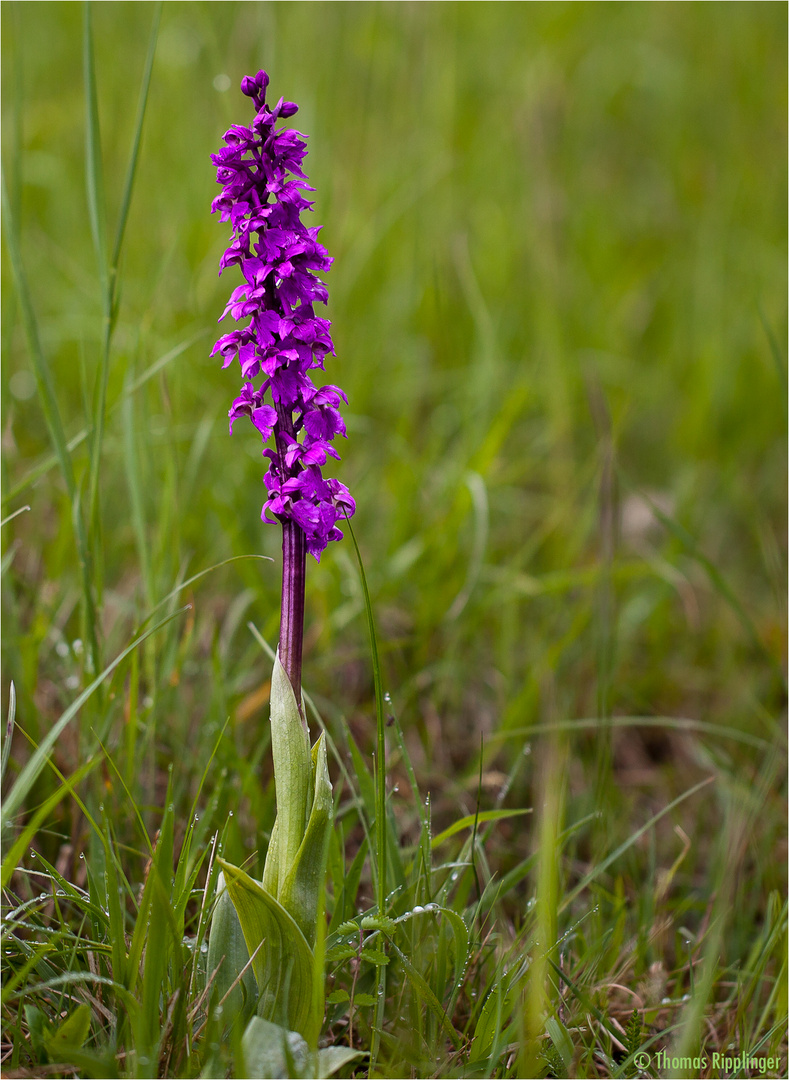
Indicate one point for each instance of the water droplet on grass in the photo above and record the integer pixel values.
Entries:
(22, 385)
(61, 648)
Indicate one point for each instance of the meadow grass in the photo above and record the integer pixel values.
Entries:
(559, 306)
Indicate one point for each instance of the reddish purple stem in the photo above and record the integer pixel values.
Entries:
(291, 629)
(294, 573)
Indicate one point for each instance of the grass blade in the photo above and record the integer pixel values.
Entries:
(136, 487)
(672, 723)
(98, 220)
(46, 393)
(67, 787)
(30, 772)
(9, 728)
(381, 736)
(380, 776)
(479, 502)
(471, 820)
(132, 169)
(11, 517)
(46, 390)
(602, 866)
(94, 177)
(44, 466)
(196, 577)
(717, 580)
(94, 172)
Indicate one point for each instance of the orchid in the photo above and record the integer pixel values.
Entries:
(275, 921)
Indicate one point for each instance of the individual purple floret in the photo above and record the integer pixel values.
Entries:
(283, 339)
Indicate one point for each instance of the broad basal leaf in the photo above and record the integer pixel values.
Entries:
(300, 890)
(270, 1050)
(290, 749)
(284, 964)
(227, 956)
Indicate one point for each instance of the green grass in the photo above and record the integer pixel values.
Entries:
(559, 306)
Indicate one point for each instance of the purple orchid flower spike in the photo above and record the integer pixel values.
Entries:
(282, 341)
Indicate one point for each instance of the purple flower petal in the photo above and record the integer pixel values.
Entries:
(263, 196)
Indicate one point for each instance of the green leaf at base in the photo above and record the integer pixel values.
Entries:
(290, 749)
(273, 1051)
(284, 966)
(300, 890)
(268, 1047)
(227, 956)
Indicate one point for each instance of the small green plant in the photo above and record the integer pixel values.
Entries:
(633, 1041)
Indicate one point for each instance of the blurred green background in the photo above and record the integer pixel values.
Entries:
(559, 307)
